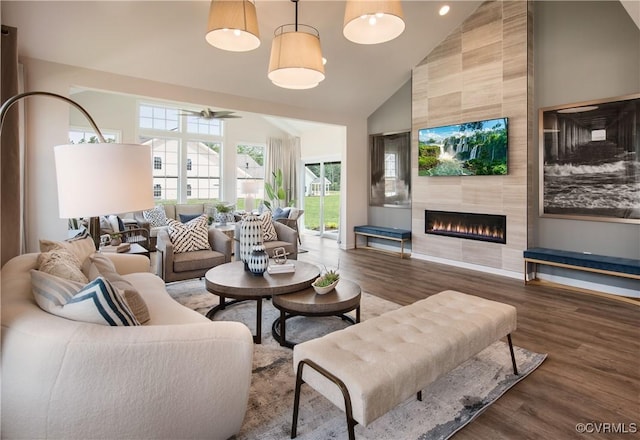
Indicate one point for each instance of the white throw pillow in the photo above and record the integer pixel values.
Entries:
(190, 236)
(97, 302)
(268, 230)
(156, 216)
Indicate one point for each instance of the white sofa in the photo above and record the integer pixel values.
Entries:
(178, 376)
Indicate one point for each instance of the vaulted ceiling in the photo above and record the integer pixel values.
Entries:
(164, 41)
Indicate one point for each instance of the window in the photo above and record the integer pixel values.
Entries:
(165, 165)
(390, 166)
(157, 191)
(250, 172)
(158, 118)
(84, 136)
(204, 176)
(186, 152)
(197, 125)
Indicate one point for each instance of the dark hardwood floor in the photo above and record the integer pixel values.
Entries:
(591, 374)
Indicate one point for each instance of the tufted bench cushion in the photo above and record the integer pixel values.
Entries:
(385, 360)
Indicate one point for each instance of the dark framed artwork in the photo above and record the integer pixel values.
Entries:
(590, 160)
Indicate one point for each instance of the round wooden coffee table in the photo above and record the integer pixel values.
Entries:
(230, 280)
(344, 298)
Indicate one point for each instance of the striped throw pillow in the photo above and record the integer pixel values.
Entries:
(97, 302)
(190, 236)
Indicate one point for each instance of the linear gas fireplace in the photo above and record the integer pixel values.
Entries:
(483, 227)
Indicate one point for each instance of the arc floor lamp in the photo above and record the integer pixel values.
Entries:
(97, 179)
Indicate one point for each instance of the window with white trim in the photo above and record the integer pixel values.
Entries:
(250, 173)
(186, 153)
(78, 135)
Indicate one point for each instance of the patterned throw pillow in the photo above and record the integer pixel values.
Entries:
(81, 247)
(190, 236)
(97, 302)
(156, 216)
(101, 265)
(268, 230)
(61, 263)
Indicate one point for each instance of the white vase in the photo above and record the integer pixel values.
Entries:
(250, 236)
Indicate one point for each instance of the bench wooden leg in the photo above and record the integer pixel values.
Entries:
(351, 423)
(513, 357)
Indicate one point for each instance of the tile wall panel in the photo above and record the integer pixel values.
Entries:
(482, 70)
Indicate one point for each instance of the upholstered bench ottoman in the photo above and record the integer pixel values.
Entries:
(371, 367)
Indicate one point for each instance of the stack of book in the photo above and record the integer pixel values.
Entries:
(280, 268)
(121, 248)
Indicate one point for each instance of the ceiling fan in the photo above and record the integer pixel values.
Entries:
(207, 113)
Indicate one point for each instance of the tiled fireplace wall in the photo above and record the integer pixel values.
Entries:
(480, 71)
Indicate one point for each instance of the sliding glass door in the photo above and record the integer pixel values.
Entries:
(322, 198)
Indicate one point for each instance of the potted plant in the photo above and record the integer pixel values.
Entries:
(116, 239)
(223, 209)
(326, 282)
(276, 192)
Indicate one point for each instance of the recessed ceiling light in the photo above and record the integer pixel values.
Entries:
(443, 10)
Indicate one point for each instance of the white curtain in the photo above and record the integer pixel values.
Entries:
(284, 154)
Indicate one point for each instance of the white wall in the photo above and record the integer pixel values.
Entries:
(47, 123)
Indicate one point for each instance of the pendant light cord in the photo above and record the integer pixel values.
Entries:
(296, 2)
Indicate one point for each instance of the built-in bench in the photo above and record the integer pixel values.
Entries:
(603, 264)
(371, 367)
(384, 233)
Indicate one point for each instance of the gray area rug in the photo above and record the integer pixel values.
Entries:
(448, 404)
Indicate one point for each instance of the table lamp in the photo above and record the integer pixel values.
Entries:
(249, 188)
(97, 179)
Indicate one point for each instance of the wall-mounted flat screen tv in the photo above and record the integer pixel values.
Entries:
(469, 149)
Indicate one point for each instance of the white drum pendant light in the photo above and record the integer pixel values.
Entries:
(372, 21)
(296, 56)
(233, 25)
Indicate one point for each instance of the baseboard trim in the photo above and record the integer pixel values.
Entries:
(471, 266)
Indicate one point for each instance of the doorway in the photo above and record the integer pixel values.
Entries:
(322, 198)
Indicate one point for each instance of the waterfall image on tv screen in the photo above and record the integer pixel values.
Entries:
(468, 149)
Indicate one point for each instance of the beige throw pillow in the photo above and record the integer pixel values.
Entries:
(61, 263)
(81, 248)
(101, 265)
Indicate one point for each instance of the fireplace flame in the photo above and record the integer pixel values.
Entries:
(476, 230)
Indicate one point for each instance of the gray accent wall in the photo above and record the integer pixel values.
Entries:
(584, 51)
(393, 116)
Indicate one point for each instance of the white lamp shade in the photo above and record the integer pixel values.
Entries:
(102, 179)
(296, 60)
(233, 25)
(373, 22)
(249, 187)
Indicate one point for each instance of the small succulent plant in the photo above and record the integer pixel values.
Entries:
(328, 278)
